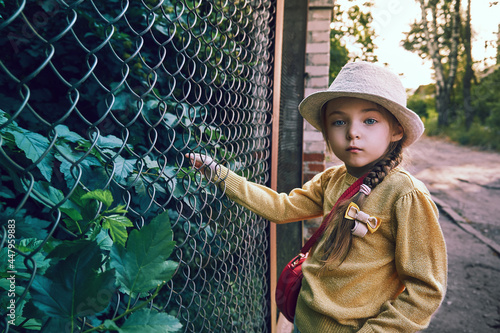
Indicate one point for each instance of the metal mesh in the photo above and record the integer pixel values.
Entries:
(112, 95)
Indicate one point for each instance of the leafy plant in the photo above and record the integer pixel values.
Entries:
(79, 278)
(100, 151)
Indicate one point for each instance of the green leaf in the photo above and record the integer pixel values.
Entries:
(75, 223)
(28, 244)
(123, 168)
(87, 174)
(76, 197)
(3, 117)
(19, 265)
(120, 220)
(47, 194)
(57, 324)
(50, 196)
(143, 265)
(109, 141)
(103, 196)
(6, 192)
(111, 325)
(104, 240)
(90, 211)
(64, 132)
(150, 163)
(72, 287)
(170, 172)
(67, 248)
(73, 226)
(34, 146)
(117, 225)
(150, 321)
(171, 120)
(121, 102)
(27, 226)
(73, 213)
(120, 209)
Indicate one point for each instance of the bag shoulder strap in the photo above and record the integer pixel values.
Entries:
(353, 189)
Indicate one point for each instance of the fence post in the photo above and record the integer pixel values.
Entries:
(278, 42)
(287, 143)
(317, 78)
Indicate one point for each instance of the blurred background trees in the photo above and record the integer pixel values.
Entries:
(463, 103)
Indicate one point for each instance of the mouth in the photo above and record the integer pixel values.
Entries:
(353, 149)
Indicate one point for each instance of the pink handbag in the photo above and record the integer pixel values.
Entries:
(290, 280)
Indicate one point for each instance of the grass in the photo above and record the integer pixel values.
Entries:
(478, 135)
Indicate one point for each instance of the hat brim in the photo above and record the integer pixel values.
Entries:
(310, 109)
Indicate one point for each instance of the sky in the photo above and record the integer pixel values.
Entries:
(393, 17)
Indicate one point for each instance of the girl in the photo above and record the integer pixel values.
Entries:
(380, 265)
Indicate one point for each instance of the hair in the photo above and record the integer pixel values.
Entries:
(338, 232)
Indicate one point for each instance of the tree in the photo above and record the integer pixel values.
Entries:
(469, 73)
(498, 45)
(437, 37)
(350, 29)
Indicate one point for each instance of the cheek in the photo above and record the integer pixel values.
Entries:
(334, 130)
(334, 135)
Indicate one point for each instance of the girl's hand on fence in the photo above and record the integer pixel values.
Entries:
(204, 163)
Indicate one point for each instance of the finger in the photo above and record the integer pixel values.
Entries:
(195, 160)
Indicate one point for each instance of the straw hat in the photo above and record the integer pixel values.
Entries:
(369, 82)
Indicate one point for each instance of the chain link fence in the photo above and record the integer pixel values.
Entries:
(99, 103)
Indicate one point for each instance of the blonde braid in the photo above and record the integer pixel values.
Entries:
(338, 235)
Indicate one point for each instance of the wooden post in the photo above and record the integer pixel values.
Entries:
(274, 148)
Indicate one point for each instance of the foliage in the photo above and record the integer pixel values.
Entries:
(94, 228)
(485, 130)
(95, 155)
(415, 39)
(422, 101)
(419, 106)
(484, 110)
(438, 36)
(84, 272)
(486, 100)
(351, 29)
(83, 265)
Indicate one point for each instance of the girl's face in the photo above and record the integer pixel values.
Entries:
(359, 132)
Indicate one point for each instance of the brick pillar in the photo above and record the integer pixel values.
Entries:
(317, 70)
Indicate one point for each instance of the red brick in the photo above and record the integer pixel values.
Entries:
(315, 167)
(314, 157)
(308, 176)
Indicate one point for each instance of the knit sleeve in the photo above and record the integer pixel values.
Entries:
(301, 203)
(421, 263)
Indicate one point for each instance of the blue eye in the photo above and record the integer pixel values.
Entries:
(370, 121)
(338, 123)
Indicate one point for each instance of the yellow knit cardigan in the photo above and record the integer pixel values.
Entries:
(392, 280)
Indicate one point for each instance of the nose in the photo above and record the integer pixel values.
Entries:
(353, 132)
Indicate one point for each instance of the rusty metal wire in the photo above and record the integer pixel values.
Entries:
(112, 95)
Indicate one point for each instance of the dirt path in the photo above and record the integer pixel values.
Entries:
(468, 181)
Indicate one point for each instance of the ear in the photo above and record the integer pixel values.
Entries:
(397, 133)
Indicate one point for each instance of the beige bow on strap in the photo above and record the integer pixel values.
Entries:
(368, 222)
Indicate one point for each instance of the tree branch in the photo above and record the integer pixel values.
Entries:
(455, 39)
(432, 44)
